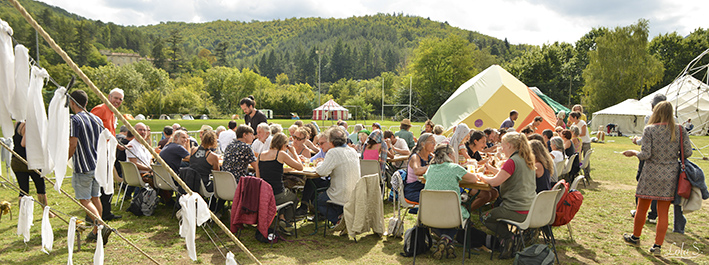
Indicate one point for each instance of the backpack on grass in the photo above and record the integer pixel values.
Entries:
(424, 241)
(568, 205)
(538, 254)
(144, 203)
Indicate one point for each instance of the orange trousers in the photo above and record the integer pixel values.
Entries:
(662, 219)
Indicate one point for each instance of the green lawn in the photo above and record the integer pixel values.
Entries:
(597, 230)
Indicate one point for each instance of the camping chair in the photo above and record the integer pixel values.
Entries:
(441, 209)
(224, 185)
(540, 216)
(586, 167)
(132, 177)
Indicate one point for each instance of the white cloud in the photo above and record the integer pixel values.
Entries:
(520, 21)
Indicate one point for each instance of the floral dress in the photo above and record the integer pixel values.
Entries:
(658, 179)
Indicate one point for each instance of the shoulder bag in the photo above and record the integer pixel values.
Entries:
(684, 188)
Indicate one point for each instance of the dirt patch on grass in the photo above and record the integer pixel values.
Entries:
(614, 186)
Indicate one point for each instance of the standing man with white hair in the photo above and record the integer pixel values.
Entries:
(115, 97)
(263, 141)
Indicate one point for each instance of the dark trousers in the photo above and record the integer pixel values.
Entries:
(311, 187)
(334, 211)
(106, 203)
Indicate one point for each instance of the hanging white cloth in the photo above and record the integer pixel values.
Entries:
(230, 259)
(24, 222)
(47, 233)
(106, 157)
(71, 233)
(36, 129)
(7, 78)
(59, 124)
(7, 156)
(194, 212)
(98, 255)
(22, 83)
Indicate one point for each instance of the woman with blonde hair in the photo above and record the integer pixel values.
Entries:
(543, 164)
(517, 183)
(658, 179)
(560, 119)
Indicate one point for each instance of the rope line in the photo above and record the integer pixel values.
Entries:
(103, 98)
(54, 211)
(96, 218)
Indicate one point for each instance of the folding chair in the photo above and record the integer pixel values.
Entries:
(540, 216)
(586, 167)
(441, 209)
(132, 178)
(224, 185)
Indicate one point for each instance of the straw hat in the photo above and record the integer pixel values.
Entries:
(406, 122)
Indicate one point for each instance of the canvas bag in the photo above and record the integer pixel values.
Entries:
(694, 202)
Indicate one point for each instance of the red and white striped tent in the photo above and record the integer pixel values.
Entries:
(330, 111)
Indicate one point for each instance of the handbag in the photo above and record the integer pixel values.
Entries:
(684, 188)
(694, 202)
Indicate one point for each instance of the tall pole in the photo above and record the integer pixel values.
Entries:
(319, 74)
(411, 80)
(382, 97)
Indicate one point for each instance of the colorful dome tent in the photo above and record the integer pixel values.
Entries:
(487, 99)
(330, 111)
(555, 106)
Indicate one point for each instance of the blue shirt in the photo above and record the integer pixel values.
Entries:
(508, 123)
(86, 127)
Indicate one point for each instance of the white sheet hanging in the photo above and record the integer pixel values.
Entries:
(230, 259)
(194, 212)
(106, 157)
(7, 78)
(98, 255)
(22, 83)
(47, 233)
(71, 233)
(37, 126)
(59, 124)
(24, 222)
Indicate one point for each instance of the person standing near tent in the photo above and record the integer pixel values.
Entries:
(83, 141)
(109, 122)
(535, 124)
(510, 122)
(560, 119)
(658, 180)
(252, 116)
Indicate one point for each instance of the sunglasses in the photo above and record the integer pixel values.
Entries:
(298, 138)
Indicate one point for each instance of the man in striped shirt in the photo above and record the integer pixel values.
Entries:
(85, 131)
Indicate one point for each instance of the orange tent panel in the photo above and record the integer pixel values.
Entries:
(540, 109)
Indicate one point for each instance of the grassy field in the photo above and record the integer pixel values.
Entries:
(597, 230)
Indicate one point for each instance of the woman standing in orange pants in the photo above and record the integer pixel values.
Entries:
(658, 180)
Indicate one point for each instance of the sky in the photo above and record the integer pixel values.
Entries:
(520, 21)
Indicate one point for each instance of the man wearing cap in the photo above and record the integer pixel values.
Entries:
(405, 134)
(115, 97)
(252, 116)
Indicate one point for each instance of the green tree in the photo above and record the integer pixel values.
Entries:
(439, 67)
(221, 53)
(174, 42)
(620, 67)
(158, 53)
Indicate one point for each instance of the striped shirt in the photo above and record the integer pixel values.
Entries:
(86, 127)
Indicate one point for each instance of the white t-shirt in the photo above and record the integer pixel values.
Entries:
(260, 147)
(225, 139)
(439, 138)
(558, 156)
(401, 144)
(139, 152)
(587, 138)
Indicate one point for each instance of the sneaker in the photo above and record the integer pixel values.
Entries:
(340, 226)
(441, 248)
(105, 232)
(91, 237)
(656, 251)
(507, 248)
(628, 238)
(450, 249)
(285, 226)
(632, 213)
(652, 221)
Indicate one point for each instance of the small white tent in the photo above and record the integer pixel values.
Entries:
(628, 116)
(330, 111)
(688, 95)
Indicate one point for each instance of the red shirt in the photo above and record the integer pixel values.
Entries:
(107, 116)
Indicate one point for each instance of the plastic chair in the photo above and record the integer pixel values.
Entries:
(568, 165)
(558, 168)
(586, 166)
(441, 209)
(132, 178)
(368, 167)
(540, 215)
(573, 187)
(163, 179)
(203, 191)
(224, 185)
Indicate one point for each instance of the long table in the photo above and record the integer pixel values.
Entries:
(476, 185)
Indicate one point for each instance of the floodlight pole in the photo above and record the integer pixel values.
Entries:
(382, 97)
(319, 74)
(411, 80)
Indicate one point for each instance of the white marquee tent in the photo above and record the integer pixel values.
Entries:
(330, 111)
(688, 95)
